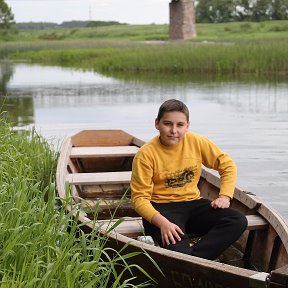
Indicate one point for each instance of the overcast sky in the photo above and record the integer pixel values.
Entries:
(124, 11)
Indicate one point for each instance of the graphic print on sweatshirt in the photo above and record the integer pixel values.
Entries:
(180, 178)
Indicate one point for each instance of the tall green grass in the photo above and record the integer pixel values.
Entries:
(36, 249)
(257, 58)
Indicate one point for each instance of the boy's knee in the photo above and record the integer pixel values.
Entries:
(240, 221)
(244, 221)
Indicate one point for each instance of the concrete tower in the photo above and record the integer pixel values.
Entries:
(182, 19)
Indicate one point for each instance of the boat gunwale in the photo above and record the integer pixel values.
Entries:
(253, 202)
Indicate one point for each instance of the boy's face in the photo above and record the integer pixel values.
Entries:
(172, 127)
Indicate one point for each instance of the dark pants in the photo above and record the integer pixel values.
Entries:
(218, 228)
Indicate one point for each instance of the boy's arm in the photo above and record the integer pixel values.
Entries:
(213, 157)
(141, 188)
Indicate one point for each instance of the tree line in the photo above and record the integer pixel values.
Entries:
(65, 24)
(215, 11)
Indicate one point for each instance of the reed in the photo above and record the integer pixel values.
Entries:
(257, 58)
(38, 247)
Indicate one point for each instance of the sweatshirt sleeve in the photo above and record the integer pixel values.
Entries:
(213, 157)
(142, 187)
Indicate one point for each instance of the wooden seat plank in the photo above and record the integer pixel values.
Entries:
(256, 222)
(105, 191)
(112, 204)
(99, 178)
(128, 227)
(134, 226)
(93, 152)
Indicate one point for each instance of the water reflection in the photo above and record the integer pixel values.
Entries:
(249, 120)
(18, 111)
(6, 72)
(264, 98)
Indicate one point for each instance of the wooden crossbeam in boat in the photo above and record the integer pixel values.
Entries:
(129, 227)
(256, 222)
(106, 191)
(133, 226)
(99, 178)
(114, 151)
(111, 204)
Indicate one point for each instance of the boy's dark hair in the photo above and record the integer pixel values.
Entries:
(173, 105)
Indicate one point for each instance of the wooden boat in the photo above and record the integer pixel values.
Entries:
(97, 166)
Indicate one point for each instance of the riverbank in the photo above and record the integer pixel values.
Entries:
(38, 243)
(234, 49)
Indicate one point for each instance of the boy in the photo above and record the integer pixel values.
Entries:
(164, 180)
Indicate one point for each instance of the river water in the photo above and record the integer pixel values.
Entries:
(249, 120)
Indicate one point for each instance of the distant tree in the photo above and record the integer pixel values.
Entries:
(35, 25)
(102, 23)
(261, 10)
(241, 10)
(73, 24)
(279, 9)
(244, 10)
(6, 16)
(258, 10)
(216, 10)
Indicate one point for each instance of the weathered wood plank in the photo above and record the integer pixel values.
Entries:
(93, 152)
(134, 225)
(92, 138)
(256, 222)
(105, 191)
(99, 178)
(112, 204)
(128, 227)
(279, 277)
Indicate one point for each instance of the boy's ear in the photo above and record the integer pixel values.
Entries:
(156, 124)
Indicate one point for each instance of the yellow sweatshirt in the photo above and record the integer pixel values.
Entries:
(170, 174)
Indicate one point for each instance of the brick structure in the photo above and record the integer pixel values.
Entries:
(182, 19)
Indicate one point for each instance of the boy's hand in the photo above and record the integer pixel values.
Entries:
(170, 232)
(221, 202)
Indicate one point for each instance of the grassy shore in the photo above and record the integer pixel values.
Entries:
(221, 59)
(233, 49)
(36, 249)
